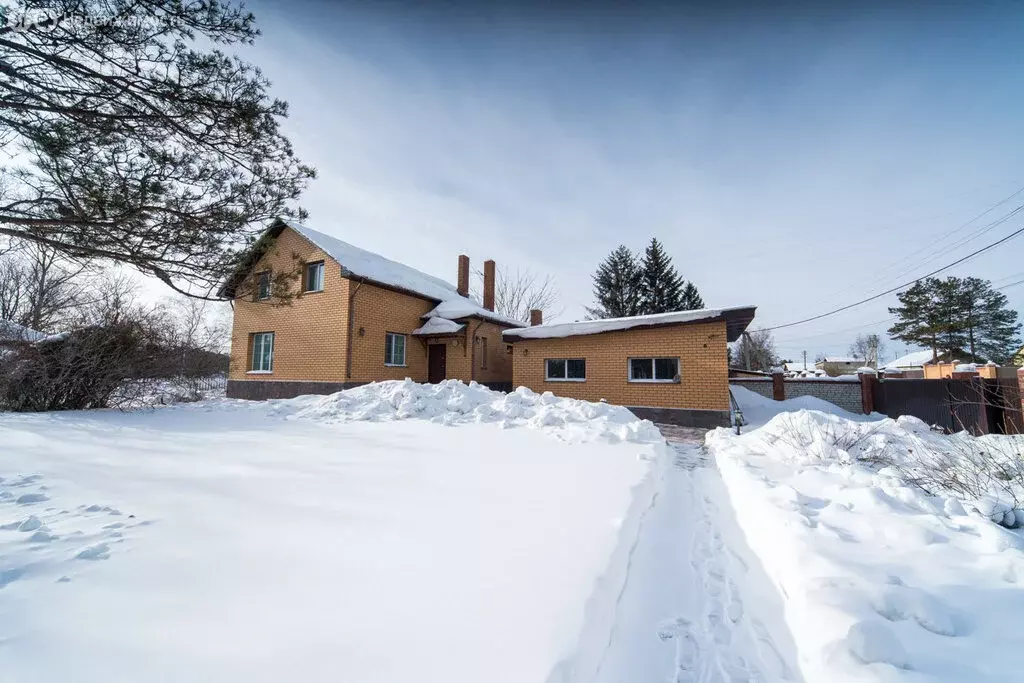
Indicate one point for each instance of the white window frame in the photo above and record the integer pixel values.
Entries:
(320, 281)
(259, 285)
(389, 344)
(654, 380)
(253, 369)
(565, 378)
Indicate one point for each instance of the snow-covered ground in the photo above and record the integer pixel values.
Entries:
(879, 581)
(317, 539)
(403, 532)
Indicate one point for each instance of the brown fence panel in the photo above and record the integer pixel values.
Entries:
(980, 406)
(926, 399)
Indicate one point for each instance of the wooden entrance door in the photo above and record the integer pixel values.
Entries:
(436, 365)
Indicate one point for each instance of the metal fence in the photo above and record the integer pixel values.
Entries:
(980, 406)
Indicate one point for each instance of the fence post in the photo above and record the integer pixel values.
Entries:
(867, 391)
(778, 386)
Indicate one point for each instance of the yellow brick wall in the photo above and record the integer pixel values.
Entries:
(309, 331)
(462, 357)
(701, 349)
(377, 312)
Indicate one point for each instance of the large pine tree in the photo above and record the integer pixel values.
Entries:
(130, 135)
(955, 316)
(617, 285)
(663, 289)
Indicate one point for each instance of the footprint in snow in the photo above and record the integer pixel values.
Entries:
(31, 498)
(100, 551)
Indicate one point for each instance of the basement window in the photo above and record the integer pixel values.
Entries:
(565, 370)
(262, 352)
(394, 349)
(653, 369)
(314, 277)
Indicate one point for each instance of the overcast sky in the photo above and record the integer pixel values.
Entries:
(797, 161)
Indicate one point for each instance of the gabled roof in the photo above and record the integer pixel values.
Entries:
(360, 264)
(842, 359)
(736, 321)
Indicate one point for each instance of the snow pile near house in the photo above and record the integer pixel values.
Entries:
(881, 581)
(452, 402)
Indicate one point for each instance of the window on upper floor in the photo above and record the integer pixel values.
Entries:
(263, 285)
(314, 277)
(394, 349)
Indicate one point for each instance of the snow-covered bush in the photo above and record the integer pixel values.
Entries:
(983, 473)
(986, 472)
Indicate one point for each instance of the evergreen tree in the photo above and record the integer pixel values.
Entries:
(617, 285)
(991, 327)
(133, 137)
(957, 315)
(692, 300)
(662, 287)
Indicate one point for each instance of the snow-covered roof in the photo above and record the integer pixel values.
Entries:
(438, 326)
(461, 307)
(360, 263)
(612, 324)
(911, 360)
(843, 359)
(12, 331)
(799, 366)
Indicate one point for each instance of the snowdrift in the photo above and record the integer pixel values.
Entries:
(880, 580)
(452, 402)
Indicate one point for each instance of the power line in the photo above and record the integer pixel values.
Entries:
(907, 284)
(945, 250)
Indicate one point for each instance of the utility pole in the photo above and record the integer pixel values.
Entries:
(805, 360)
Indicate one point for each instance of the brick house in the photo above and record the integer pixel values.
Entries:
(348, 317)
(669, 367)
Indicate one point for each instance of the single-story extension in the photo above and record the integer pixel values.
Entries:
(668, 367)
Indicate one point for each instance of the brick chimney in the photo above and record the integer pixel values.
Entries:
(536, 317)
(463, 287)
(489, 284)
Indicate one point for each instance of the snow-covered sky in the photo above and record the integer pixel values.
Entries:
(797, 161)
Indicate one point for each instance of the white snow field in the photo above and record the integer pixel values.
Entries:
(401, 532)
(878, 581)
(316, 539)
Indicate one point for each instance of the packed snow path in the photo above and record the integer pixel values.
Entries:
(682, 615)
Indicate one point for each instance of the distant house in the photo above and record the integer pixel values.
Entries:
(800, 369)
(668, 367)
(833, 366)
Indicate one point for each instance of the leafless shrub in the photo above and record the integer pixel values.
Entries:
(120, 353)
(808, 435)
(517, 292)
(988, 472)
